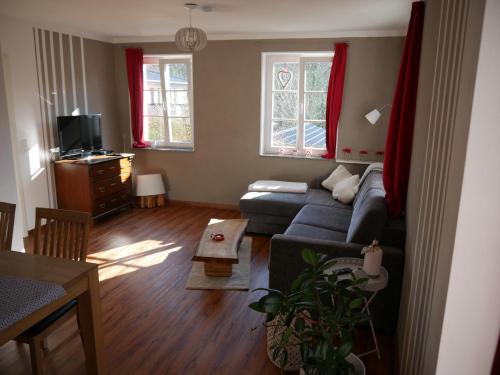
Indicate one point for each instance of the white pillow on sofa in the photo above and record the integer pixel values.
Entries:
(346, 190)
(340, 173)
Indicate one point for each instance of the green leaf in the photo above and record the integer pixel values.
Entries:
(344, 349)
(287, 334)
(271, 303)
(299, 324)
(310, 257)
(276, 353)
(257, 307)
(356, 304)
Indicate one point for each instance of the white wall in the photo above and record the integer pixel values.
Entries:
(472, 315)
(8, 183)
(19, 65)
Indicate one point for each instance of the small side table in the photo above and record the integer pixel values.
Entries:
(372, 285)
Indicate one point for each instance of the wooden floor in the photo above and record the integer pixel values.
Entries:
(152, 324)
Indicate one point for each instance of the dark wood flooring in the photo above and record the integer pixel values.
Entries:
(152, 324)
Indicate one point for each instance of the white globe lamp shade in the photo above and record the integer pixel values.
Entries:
(373, 116)
(149, 184)
(189, 39)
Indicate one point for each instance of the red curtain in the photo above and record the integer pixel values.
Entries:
(134, 73)
(398, 145)
(334, 98)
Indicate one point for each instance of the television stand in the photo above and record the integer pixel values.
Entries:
(98, 184)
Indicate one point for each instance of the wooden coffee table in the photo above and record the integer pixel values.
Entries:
(219, 256)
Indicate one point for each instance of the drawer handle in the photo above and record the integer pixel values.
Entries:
(102, 205)
(101, 189)
(100, 171)
(113, 184)
(113, 200)
(112, 167)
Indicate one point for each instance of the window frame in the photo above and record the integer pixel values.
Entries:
(162, 61)
(268, 60)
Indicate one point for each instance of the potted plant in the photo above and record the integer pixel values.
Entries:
(318, 316)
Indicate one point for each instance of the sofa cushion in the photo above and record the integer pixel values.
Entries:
(324, 217)
(276, 204)
(369, 214)
(340, 173)
(346, 190)
(310, 231)
(372, 181)
(324, 197)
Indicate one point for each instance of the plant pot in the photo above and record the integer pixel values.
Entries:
(359, 367)
(274, 332)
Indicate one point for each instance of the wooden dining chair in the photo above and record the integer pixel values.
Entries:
(62, 234)
(7, 215)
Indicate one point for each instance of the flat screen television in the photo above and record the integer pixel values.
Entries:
(79, 133)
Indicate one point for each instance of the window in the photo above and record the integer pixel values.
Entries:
(167, 101)
(294, 89)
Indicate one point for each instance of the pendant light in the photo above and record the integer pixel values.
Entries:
(190, 39)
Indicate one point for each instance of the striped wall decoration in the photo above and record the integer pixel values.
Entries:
(62, 87)
(430, 249)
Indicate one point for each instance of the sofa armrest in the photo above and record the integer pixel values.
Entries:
(285, 258)
(285, 264)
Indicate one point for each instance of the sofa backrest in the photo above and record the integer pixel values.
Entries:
(369, 214)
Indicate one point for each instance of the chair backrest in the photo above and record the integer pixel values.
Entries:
(62, 233)
(7, 215)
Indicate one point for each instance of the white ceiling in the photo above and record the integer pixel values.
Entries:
(134, 20)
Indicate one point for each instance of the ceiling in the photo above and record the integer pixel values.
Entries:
(130, 20)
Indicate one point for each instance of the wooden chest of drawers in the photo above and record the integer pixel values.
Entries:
(99, 185)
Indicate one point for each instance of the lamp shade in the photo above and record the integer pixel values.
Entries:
(373, 116)
(149, 184)
(190, 39)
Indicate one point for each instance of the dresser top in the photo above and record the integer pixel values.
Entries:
(95, 159)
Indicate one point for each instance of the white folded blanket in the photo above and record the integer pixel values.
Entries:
(278, 186)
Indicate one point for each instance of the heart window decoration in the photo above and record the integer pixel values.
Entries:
(284, 77)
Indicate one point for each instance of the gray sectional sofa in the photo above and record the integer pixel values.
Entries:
(315, 220)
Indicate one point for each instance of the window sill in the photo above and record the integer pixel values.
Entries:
(356, 161)
(312, 157)
(165, 149)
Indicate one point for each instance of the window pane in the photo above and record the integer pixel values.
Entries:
(317, 76)
(180, 130)
(154, 128)
(176, 76)
(177, 103)
(151, 77)
(153, 105)
(286, 76)
(315, 135)
(315, 106)
(285, 105)
(284, 134)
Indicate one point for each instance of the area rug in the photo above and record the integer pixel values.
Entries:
(239, 280)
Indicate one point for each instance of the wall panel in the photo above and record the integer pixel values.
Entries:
(447, 73)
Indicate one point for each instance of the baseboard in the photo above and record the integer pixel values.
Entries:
(220, 206)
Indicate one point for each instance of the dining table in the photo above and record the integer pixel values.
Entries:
(62, 281)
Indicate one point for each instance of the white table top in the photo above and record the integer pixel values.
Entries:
(356, 264)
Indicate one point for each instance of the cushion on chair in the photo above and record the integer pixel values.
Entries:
(43, 324)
